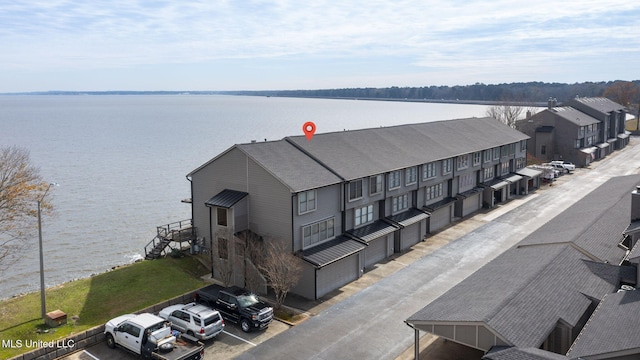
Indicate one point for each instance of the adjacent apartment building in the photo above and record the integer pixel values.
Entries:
(581, 130)
(345, 201)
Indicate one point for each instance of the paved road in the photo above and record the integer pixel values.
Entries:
(370, 324)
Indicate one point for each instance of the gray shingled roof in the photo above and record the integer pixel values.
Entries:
(289, 165)
(524, 292)
(226, 198)
(601, 104)
(332, 251)
(360, 153)
(511, 353)
(595, 223)
(574, 115)
(613, 327)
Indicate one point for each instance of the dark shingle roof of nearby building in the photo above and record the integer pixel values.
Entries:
(372, 231)
(595, 223)
(574, 115)
(226, 198)
(613, 327)
(600, 104)
(397, 147)
(523, 293)
(511, 353)
(332, 251)
(292, 167)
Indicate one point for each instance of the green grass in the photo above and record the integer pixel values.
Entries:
(93, 301)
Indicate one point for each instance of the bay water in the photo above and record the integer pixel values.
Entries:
(121, 162)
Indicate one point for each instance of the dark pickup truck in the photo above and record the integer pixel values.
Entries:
(237, 305)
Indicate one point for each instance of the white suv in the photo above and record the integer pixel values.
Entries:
(568, 166)
(194, 319)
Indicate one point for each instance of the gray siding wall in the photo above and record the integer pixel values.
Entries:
(268, 206)
(208, 182)
(306, 286)
(327, 206)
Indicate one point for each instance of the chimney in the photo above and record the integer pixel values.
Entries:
(552, 102)
(635, 204)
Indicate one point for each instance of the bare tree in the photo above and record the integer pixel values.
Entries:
(21, 187)
(282, 269)
(623, 92)
(506, 112)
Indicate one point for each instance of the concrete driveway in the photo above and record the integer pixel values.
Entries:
(370, 323)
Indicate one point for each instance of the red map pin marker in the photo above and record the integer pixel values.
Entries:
(309, 128)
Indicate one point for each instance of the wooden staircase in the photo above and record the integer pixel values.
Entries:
(179, 232)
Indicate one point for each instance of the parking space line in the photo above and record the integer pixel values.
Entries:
(88, 353)
(239, 338)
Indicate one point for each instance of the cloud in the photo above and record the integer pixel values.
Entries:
(421, 36)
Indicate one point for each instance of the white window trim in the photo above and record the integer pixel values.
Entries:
(429, 171)
(380, 183)
(366, 212)
(399, 179)
(349, 190)
(315, 203)
(407, 173)
(310, 226)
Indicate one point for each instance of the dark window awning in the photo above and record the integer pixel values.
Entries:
(528, 172)
(226, 198)
(471, 192)
(589, 150)
(372, 231)
(408, 217)
(438, 205)
(332, 251)
(496, 184)
(603, 145)
(612, 140)
(623, 136)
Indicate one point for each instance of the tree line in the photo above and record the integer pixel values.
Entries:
(532, 92)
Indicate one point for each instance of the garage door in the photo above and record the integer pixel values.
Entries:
(410, 235)
(440, 218)
(337, 274)
(471, 204)
(376, 251)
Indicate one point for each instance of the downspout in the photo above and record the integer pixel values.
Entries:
(211, 242)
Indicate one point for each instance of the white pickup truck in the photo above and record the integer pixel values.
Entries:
(568, 166)
(151, 337)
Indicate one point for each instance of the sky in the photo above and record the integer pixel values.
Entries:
(276, 45)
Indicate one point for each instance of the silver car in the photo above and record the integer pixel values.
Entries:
(194, 319)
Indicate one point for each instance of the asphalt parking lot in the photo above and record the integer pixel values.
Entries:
(232, 342)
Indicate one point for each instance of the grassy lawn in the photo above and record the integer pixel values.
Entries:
(93, 301)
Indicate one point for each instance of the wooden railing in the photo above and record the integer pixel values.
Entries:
(177, 231)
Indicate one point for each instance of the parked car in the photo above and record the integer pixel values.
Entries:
(194, 319)
(566, 165)
(150, 337)
(237, 305)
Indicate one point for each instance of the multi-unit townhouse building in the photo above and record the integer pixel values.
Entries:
(345, 201)
(580, 131)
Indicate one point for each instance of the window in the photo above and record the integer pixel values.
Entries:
(306, 201)
(222, 216)
(523, 145)
(375, 184)
(394, 180)
(487, 173)
(317, 232)
(355, 190)
(429, 171)
(411, 175)
(462, 162)
(466, 181)
(504, 150)
(543, 149)
(433, 192)
(487, 155)
(578, 142)
(363, 215)
(504, 168)
(477, 158)
(520, 163)
(223, 250)
(496, 153)
(400, 203)
(512, 149)
(446, 166)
